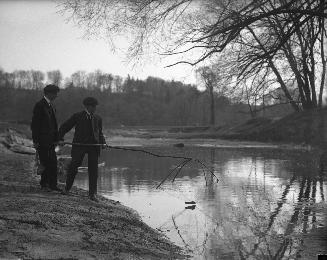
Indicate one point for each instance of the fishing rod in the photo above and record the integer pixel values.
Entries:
(178, 168)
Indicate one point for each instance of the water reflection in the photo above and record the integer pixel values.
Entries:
(262, 206)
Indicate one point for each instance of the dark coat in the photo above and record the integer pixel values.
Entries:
(44, 124)
(80, 122)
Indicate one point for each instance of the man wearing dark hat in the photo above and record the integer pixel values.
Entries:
(88, 138)
(45, 135)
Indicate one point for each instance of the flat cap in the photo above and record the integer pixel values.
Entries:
(51, 88)
(90, 101)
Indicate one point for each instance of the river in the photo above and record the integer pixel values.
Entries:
(266, 202)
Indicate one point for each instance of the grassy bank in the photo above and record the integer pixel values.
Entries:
(307, 127)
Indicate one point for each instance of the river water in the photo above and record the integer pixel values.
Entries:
(265, 203)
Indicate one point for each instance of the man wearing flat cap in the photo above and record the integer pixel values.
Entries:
(45, 135)
(88, 138)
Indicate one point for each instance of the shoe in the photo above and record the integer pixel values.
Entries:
(55, 189)
(65, 192)
(45, 188)
(93, 198)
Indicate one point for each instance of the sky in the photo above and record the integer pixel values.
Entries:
(34, 35)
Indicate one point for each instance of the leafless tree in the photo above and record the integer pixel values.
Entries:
(261, 33)
(22, 79)
(79, 78)
(55, 77)
(210, 80)
(37, 78)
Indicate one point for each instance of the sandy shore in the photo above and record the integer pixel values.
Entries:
(48, 225)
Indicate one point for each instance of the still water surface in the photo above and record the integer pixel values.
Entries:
(263, 204)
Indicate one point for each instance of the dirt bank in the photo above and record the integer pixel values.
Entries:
(307, 127)
(48, 225)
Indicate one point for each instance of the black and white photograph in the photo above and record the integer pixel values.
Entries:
(163, 129)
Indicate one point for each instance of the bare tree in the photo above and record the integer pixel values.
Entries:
(261, 33)
(117, 84)
(54, 77)
(22, 79)
(79, 79)
(107, 80)
(37, 78)
(210, 80)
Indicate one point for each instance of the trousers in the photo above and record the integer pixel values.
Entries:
(48, 159)
(78, 154)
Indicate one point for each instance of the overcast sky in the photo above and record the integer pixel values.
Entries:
(35, 36)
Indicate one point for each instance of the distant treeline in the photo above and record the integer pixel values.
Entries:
(128, 101)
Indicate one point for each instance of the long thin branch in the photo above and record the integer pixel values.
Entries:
(248, 21)
(180, 166)
(130, 149)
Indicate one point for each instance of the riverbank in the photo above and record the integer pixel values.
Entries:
(306, 127)
(301, 128)
(48, 225)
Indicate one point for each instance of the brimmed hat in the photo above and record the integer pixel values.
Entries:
(51, 88)
(90, 101)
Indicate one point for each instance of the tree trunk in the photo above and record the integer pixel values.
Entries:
(212, 106)
(323, 60)
(279, 77)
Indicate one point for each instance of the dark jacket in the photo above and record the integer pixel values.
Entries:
(81, 123)
(44, 124)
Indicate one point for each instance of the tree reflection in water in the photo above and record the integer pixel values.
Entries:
(261, 208)
(278, 234)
